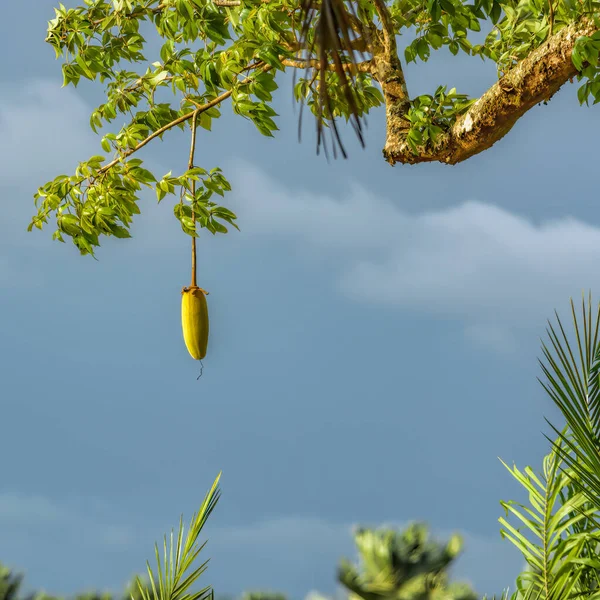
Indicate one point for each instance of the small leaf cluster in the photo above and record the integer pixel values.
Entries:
(431, 116)
(92, 203)
(585, 57)
(523, 27)
(442, 23)
(195, 208)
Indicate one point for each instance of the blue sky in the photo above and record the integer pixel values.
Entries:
(374, 338)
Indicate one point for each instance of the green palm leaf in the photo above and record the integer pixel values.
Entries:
(10, 584)
(573, 384)
(558, 530)
(549, 534)
(174, 573)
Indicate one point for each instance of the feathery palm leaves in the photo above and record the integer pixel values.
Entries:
(10, 584)
(561, 542)
(403, 566)
(558, 526)
(329, 31)
(572, 373)
(173, 581)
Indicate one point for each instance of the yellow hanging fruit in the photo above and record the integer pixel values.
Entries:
(194, 320)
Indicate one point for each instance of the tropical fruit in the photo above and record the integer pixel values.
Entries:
(194, 320)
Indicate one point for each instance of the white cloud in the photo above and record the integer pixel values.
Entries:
(27, 514)
(493, 336)
(291, 555)
(21, 509)
(285, 530)
(493, 270)
(44, 131)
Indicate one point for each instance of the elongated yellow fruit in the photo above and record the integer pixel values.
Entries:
(194, 320)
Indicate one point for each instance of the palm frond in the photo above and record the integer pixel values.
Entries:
(175, 575)
(550, 534)
(10, 583)
(329, 30)
(572, 375)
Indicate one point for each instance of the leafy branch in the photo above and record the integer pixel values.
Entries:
(431, 116)
(178, 121)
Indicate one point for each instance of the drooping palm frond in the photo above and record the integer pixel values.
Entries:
(175, 575)
(553, 533)
(329, 30)
(572, 372)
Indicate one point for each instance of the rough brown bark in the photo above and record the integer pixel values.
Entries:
(533, 80)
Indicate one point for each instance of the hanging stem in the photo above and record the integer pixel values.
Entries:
(550, 17)
(191, 166)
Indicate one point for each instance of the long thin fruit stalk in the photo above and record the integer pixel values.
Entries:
(194, 309)
(191, 166)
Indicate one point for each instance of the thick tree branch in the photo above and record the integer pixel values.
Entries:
(388, 72)
(533, 80)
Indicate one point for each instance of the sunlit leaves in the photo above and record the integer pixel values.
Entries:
(91, 203)
(212, 51)
(430, 116)
(442, 23)
(585, 57)
(196, 208)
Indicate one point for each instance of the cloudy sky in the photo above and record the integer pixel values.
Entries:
(374, 336)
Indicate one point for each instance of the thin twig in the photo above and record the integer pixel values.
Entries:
(302, 63)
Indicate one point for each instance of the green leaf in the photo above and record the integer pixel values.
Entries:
(119, 232)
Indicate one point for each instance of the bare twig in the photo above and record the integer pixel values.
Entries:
(301, 63)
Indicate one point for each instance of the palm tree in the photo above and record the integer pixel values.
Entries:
(405, 565)
(559, 533)
(10, 584)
